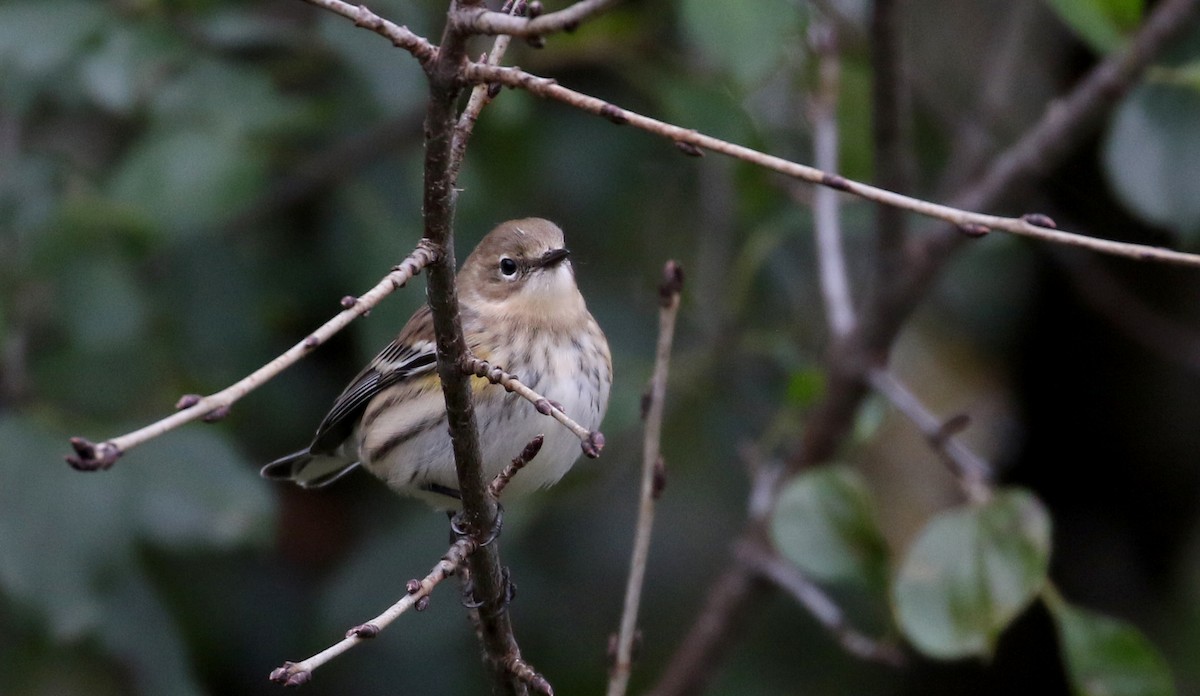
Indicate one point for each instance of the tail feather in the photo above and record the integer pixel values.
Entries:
(308, 470)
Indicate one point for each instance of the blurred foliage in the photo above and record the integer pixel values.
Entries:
(188, 188)
(1102, 23)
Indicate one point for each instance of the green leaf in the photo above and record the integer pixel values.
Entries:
(1108, 657)
(970, 572)
(39, 37)
(743, 38)
(805, 386)
(186, 489)
(185, 180)
(1102, 24)
(101, 305)
(1150, 156)
(1186, 75)
(825, 524)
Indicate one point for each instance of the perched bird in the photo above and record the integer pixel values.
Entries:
(522, 311)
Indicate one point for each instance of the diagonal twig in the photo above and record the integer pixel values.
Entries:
(91, 456)
(297, 673)
(790, 579)
(591, 441)
(973, 473)
(482, 21)
(481, 95)
(971, 223)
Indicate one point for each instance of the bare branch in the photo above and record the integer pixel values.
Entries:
(733, 594)
(481, 21)
(489, 586)
(592, 441)
(297, 673)
(91, 457)
(972, 471)
(498, 484)
(831, 261)
(481, 96)
(400, 36)
(975, 224)
(793, 581)
(669, 291)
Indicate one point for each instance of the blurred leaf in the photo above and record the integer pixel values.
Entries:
(1150, 156)
(39, 37)
(102, 306)
(856, 156)
(395, 81)
(825, 524)
(191, 488)
(1100, 23)
(185, 180)
(1108, 657)
(248, 28)
(126, 67)
(1186, 75)
(137, 630)
(970, 572)
(806, 386)
(743, 38)
(188, 488)
(225, 100)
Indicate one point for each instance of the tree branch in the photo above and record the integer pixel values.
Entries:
(973, 472)
(400, 36)
(790, 579)
(971, 223)
(591, 441)
(481, 21)
(91, 456)
(489, 585)
(734, 593)
(831, 260)
(297, 673)
(652, 473)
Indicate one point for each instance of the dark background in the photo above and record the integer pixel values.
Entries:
(188, 188)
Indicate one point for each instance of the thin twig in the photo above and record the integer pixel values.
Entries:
(733, 595)
(793, 581)
(400, 36)
(831, 261)
(652, 476)
(481, 96)
(972, 471)
(297, 673)
(92, 456)
(591, 441)
(1050, 136)
(482, 21)
(498, 484)
(972, 223)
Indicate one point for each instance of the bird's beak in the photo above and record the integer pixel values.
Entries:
(553, 257)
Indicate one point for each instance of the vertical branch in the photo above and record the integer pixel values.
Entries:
(835, 286)
(651, 486)
(892, 159)
(479, 509)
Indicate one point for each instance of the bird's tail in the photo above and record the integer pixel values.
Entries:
(308, 470)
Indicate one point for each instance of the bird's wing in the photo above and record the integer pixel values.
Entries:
(411, 354)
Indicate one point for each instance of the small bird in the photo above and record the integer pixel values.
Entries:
(522, 311)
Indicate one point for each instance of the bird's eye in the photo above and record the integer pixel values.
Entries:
(508, 267)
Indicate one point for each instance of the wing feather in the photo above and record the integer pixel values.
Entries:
(411, 354)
